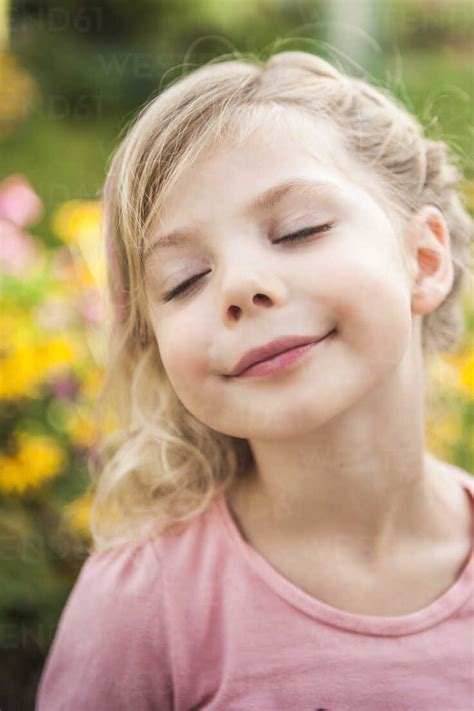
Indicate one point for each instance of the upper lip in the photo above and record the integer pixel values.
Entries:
(279, 345)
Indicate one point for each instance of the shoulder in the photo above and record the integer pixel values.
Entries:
(127, 578)
(141, 576)
(139, 617)
(132, 568)
(111, 632)
(463, 476)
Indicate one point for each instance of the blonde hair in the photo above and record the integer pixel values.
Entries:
(162, 467)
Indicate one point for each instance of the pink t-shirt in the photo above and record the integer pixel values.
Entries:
(200, 620)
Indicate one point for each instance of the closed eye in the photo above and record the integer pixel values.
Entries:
(184, 286)
(298, 236)
(303, 234)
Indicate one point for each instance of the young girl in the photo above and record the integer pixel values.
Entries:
(286, 249)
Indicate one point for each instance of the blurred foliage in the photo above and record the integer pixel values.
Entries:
(51, 367)
(428, 24)
(18, 92)
(76, 76)
(129, 48)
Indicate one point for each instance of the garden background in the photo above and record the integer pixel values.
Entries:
(73, 74)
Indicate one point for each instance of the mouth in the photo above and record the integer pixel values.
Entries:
(276, 356)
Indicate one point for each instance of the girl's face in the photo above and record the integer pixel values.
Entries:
(345, 273)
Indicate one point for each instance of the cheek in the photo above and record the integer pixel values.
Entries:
(375, 306)
(183, 353)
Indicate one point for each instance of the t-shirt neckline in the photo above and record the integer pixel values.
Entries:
(441, 608)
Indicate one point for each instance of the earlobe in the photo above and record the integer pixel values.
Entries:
(433, 263)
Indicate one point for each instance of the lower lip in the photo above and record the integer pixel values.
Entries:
(281, 361)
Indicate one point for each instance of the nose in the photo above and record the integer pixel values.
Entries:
(247, 291)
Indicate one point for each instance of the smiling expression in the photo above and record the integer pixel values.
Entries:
(276, 235)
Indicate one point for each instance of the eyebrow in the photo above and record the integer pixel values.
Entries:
(265, 201)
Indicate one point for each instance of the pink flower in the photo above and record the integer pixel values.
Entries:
(18, 201)
(18, 251)
(19, 206)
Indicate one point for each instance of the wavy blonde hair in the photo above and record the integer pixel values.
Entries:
(161, 468)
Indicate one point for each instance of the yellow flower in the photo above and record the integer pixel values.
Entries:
(453, 373)
(467, 373)
(26, 367)
(78, 224)
(38, 459)
(18, 374)
(78, 220)
(77, 514)
(15, 327)
(52, 353)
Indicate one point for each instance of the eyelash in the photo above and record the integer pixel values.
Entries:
(299, 236)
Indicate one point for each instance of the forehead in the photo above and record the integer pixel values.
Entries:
(253, 153)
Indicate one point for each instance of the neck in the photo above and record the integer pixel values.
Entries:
(346, 483)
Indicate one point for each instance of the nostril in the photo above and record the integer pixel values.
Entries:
(261, 297)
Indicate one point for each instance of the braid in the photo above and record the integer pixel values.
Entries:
(444, 327)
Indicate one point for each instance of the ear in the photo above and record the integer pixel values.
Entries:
(431, 255)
